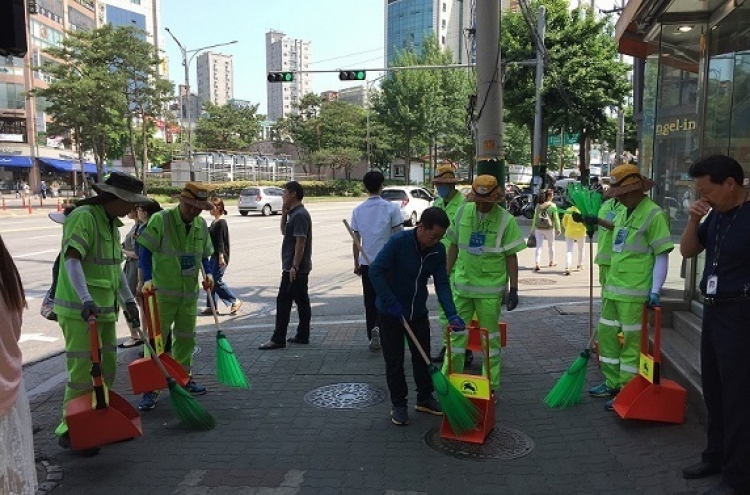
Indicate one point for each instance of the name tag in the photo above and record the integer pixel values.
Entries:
(712, 283)
(187, 265)
(619, 241)
(476, 243)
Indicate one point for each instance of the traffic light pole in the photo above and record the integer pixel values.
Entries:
(537, 168)
(489, 146)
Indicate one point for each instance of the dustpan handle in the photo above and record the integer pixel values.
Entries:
(153, 322)
(96, 365)
(656, 354)
(485, 335)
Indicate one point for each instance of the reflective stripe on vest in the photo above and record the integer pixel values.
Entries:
(79, 306)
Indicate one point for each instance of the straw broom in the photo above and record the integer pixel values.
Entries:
(460, 412)
(189, 410)
(228, 368)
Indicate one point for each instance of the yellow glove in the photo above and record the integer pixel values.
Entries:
(148, 287)
(208, 283)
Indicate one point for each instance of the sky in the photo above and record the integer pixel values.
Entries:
(345, 34)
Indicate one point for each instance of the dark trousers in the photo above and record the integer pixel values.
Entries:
(371, 312)
(392, 334)
(725, 370)
(221, 289)
(290, 292)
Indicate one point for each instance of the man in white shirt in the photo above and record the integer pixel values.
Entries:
(373, 223)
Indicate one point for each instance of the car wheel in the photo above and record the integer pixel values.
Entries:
(266, 210)
(243, 213)
(413, 219)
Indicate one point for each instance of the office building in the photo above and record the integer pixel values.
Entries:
(356, 95)
(215, 78)
(286, 54)
(409, 22)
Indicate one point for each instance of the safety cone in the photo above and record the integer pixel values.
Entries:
(4, 207)
(59, 205)
(29, 206)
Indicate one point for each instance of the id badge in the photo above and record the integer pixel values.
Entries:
(476, 243)
(187, 265)
(712, 283)
(619, 242)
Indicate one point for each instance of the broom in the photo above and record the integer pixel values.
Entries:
(228, 368)
(461, 413)
(184, 405)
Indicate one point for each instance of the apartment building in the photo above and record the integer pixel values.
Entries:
(286, 54)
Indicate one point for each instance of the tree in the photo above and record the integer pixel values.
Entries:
(583, 76)
(227, 127)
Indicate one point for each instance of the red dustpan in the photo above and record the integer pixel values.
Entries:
(102, 417)
(648, 396)
(144, 374)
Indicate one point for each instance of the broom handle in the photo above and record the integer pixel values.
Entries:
(212, 303)
(591, 289)
(154, 357)
(403, 320)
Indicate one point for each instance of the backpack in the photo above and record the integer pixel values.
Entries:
(543, 219)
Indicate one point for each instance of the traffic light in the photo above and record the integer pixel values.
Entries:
(275, 77)
(352, 75)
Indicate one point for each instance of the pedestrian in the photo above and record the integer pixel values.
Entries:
(219, 231)
(400, 274)
(296, 263)
(91, 283)
(174, 244)
(373, 223)
(43, 190)
(724, 235)
(641, 244)
(26, 191)
(55, 187)
(130, 269)
(449, 200)
(17, 467)
(575, 235)
(545, 225)
(485, 240)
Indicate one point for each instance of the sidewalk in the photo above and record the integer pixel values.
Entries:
(269, 440)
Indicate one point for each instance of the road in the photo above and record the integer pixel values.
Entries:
(253, 273)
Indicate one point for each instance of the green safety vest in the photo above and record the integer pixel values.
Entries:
(450, 208)
(647, 235)
(89, 231)
(608, 211)
(177, 255)
(483, 275)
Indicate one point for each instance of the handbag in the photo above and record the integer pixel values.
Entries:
(48, 306)
(531, 241)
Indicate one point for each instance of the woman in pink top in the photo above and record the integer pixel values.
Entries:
(17, 469)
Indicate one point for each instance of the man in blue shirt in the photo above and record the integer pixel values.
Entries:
(400, 274)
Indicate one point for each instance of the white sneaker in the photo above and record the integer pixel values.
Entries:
(375, 340)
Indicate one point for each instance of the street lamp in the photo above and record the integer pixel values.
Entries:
(186, 64)
(368, 89)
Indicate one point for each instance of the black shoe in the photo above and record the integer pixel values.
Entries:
(468, 358)
(430, 406)
(724, 489)
(271, 345)
(400, 415)
(700, 470)
(297, 340)
(440, 356)
(64, 442)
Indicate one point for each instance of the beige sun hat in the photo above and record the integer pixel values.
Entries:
(445, 175)
(625, 179)
(197, 194)
(484, 189)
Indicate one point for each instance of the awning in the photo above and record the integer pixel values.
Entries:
(68, 165)
(15, 161)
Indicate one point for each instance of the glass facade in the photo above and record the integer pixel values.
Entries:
(121, 17)
(409, 22)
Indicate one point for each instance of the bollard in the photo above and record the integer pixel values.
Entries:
(4, 207)
(59, 205)
(29, 206)
(41, 204)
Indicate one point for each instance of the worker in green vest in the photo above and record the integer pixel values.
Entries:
(640, 247)
(91, 283)
(175, 243)
(607, 211)
(484, 241)
(449, 200)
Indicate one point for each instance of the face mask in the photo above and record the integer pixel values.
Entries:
(443, 190)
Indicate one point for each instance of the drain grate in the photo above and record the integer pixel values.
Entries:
(346, 396)
(501, 443)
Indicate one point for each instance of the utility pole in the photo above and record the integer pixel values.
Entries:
(30, 103)
(620, 136)
(537, 152)
(490, 156)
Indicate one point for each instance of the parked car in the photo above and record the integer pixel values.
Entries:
(266, 200)
(412, 200)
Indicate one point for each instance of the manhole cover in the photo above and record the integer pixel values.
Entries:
(501, 443)
(346, 396)
(536, 281)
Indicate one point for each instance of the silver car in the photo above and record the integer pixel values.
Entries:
(265, 199)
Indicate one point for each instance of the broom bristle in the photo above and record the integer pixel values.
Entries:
(228, 369)
(190, 412)
(567, 390)
(460, 412)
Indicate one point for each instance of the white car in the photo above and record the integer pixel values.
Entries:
(412, 201)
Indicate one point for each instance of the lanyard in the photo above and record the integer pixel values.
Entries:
(720, 238)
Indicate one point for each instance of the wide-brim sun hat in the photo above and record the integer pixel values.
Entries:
(57, 217)
(124, 186)
(445, 175)
(625, 179)
(484, 189)
(197, 195)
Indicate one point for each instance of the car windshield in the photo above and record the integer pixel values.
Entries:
(249, 192)
(393, 195)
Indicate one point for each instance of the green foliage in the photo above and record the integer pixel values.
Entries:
(227, 127)
(337, 188)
